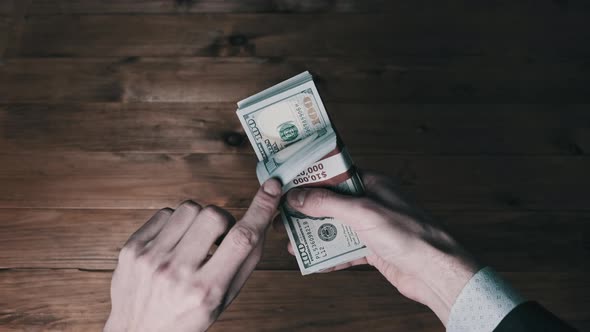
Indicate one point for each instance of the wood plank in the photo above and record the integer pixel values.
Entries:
(265, 304)
(148, 181)
(398, 80)
(214, 128)
(77, 300)
(478, 32)
(58, 80)
(12, 21)
(5, 30)
(6, 7)
(91, 239)
(149, 127)
(44, 7)
(207, 6)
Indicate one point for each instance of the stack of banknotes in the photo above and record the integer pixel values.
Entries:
(294, 140)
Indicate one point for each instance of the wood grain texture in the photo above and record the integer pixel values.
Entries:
(112, 109)
(91, 239)
(69, 300)
(5, 33)
(148, 181)
(398, 80)
(438, 129)
(207, 6)
(12, 21)
(479, 32)
(6, 7)
(46, 7)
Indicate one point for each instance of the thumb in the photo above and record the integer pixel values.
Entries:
(263, 206)
(360, 213)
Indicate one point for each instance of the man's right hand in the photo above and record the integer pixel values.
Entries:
(417, 257)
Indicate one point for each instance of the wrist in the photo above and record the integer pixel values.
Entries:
(446, 269)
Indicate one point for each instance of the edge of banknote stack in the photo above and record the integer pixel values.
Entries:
(294, 141)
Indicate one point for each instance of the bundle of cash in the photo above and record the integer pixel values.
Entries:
(294, 140)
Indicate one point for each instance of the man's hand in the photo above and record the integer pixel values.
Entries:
(166, 279)
(417, 257)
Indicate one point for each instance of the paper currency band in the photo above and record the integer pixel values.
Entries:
(288, 163)
(333, 169)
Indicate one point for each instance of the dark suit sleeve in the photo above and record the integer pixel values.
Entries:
(531, 316)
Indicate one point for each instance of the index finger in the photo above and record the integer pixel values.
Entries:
(245, 236)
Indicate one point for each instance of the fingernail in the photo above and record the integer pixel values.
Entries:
(296, 197)
(272, 187)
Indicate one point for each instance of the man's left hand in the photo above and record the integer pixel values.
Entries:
(168, 280)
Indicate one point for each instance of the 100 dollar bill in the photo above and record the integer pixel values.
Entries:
(279, 117)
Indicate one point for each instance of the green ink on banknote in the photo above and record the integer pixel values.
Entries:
(288, 131)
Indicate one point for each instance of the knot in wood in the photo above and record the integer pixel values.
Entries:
(238, 40)
(233, 139)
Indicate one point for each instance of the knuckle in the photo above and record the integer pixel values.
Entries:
(265, 203)
(217, 217)
(128, 252)
(179, 267)
(244, 237)
(214, 296)
(165, 211)
(146, 261)
(188, 204)
(206, 295)
(167, 272)
(198, 294)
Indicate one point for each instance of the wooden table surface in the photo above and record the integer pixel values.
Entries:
(110, 110)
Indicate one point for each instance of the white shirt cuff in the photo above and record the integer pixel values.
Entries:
(483, 303)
